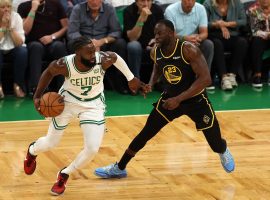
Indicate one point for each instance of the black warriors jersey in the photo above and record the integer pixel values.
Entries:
(176, 71)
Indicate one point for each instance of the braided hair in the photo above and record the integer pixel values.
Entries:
(80, 42)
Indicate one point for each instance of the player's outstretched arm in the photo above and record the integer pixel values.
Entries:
(111, 58)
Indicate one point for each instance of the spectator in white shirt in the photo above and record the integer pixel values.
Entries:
(12, 47)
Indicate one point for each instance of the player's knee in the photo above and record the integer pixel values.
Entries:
(91, 150)
(52, 143)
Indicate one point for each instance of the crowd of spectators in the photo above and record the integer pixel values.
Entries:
(36, 32)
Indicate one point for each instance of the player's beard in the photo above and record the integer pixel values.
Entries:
(88, 63)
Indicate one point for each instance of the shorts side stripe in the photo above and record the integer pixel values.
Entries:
(102, 98)
(56, 126)
(92, 122)
(160, 111)
(213, 116)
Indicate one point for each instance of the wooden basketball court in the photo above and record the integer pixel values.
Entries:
(176, 164)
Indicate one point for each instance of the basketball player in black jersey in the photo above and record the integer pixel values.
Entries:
(184, 69)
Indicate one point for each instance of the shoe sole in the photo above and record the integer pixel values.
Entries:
(105, 176)
(55, 194)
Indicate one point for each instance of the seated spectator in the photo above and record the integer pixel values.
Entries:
(190, 22)
(259, 14)
(225, 17)
(98, 21)
(45, 25)
(69, 4)
(140, 19)
(12, 46)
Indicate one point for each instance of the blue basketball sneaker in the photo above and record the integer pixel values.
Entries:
(110, 171)
(227, 161)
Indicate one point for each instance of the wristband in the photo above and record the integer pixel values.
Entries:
(140, 24)
(32, 15)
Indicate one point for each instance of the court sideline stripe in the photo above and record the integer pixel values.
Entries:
(221, 111)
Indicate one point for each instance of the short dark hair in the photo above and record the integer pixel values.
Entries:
(80, 42)
(167, 23)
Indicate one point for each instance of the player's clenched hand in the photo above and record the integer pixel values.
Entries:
(134, 85)
(171, 103)
(145, 89)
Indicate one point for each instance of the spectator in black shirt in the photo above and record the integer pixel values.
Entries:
(140, 19)
(45, 25)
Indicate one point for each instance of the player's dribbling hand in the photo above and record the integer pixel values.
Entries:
(37, 104)
(171, 103)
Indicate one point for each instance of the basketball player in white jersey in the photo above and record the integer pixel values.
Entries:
(83, 96)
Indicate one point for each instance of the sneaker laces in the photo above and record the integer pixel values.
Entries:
(61, 181)
(110, 168)
(225, 157)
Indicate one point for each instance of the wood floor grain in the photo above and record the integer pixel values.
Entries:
(176, 164)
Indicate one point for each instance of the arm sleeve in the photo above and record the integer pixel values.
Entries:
(122, 66)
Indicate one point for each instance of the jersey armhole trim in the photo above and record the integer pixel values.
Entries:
(68, 68)
(182, 55)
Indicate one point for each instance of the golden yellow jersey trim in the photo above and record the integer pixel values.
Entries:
(182, 55)
(155, 55)
(176, 44)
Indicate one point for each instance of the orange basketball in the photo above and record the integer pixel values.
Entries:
(51, 104)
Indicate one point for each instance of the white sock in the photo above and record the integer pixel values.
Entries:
(31, 150)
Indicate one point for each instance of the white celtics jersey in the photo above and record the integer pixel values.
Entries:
(83, 86)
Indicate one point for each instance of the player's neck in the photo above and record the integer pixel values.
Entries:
(169, 48)
(79, 65)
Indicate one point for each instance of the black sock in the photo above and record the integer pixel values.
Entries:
(128, 155)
